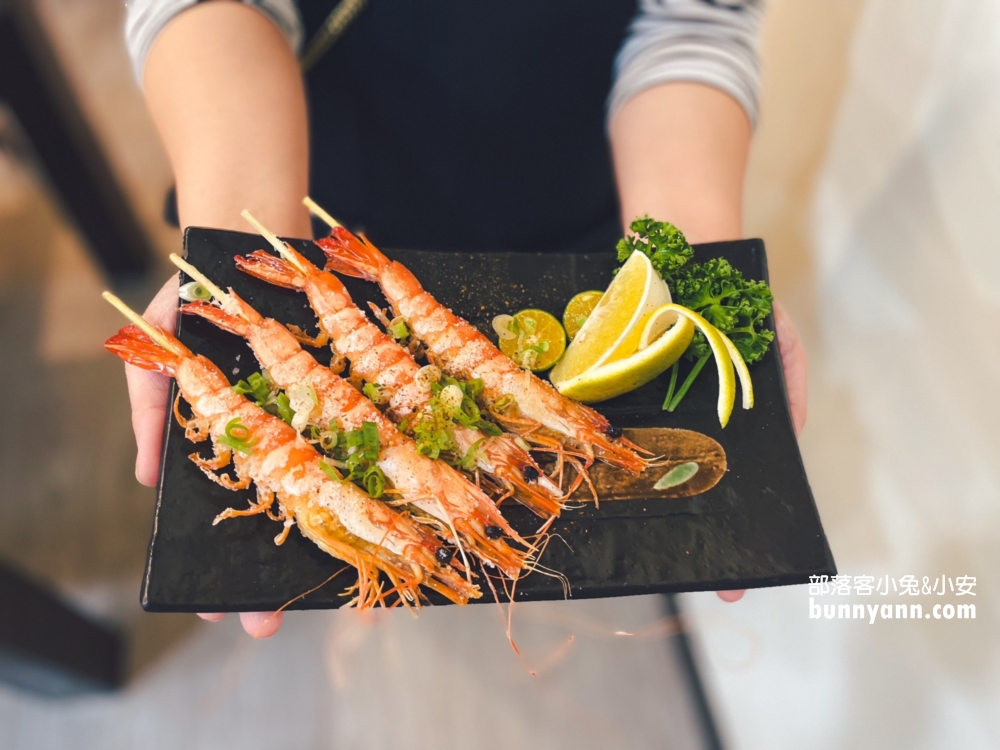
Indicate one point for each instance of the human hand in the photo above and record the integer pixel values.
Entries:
(796, 366)
(148, 393)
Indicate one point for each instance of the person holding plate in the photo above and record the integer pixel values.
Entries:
(450, 126)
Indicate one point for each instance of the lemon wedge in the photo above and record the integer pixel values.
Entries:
(612, 331)
(621, 376)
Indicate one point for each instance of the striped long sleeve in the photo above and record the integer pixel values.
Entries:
(713, 42)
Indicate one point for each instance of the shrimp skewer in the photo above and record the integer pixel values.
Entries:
(463, 512)
(380, 360)
(336, 516)
(461, 350)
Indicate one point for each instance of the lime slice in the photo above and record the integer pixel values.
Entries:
(539, 340)
(578, 310)
(615, 378)
(612, 330)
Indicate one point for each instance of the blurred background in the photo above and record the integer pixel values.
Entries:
(874, 180)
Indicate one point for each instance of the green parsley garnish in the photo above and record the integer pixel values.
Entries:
(665, 244)
(733, 304)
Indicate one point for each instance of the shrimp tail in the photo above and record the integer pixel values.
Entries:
(351, 255)
(270, 268)
(218, 317)
(136, 348)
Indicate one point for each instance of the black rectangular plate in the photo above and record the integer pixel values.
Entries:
(757, 527)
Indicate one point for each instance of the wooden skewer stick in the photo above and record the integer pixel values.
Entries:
(198, 276)
(148, 328)
(318, 211)
(277, 244)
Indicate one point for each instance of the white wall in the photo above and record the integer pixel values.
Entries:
(896, 279)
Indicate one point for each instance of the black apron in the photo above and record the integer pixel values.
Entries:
(469, 124)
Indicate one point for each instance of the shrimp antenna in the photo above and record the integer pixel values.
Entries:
(277, 244)
(148, 328)
(318, 212)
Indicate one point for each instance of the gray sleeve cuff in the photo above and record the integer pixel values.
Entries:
(145, 19)
(713, 42)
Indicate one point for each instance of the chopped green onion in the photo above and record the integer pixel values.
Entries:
(238, 436)
(502, 324)
(450, 398)
(369, 437)
(237, 431)
(330, 471)
(398, 329)
(301, 400)
(374, 481)
(474, 388)
(504, 402)
(328, 440)
(472, 455)
(193, 291)
(257, 385)
(488, 428)
(373, 392)
(284, 409)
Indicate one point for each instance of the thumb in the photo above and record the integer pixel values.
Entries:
(148, 391)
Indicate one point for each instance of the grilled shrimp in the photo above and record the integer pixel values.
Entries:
(465, 513)
(379, 359)
(463, 352)
(337, 516)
